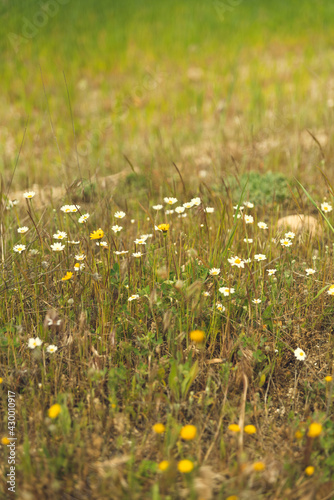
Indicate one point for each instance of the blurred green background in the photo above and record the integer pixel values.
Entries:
(213, 86)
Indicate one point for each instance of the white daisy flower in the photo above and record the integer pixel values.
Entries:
(57, 247)
(32, 343)
(83, 218)
(102, 244)
(259, 256)
(157, 207)
(209, 210)
(29, 194)
(182, 216)
(22, 229)
(271, 272)
(195, 202)
(220, 307)
(137, 254)
(310, 271)
(300, 354)
(240, 208)
(116, 228)
(73, 242)
(256, 301)
(262, 225)
(19, 248)
(249, 219)
(169, 212)
(52, 348)
(69, 208)
(236, 261)
(326, 207)
(249, 204)
(133, 297)
(188, 204)
(140, 241)
(247, 261)
(145, 236)
(214, 271)
(248, 240)
(206, 294)
(290, 235)
(170, 200)
(330, 290)
(122, 252)
(285, 242)
(119, 215)
(226, 291)
(179, 210)
(60, 235)
(80, 256)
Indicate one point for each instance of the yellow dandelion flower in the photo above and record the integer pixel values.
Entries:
(258, 466)
(197, 336)
(250, 429)
(159, 428)
(185, 466)
(314, 430)
(188, 432)
(163, 465)
(1, 380)
(5, 441)
(328, 378)
(309, 471)
(298, 434)
(234, 428)
(97, 235)
(163, 227)
(67, 276)
(232, 497)
(54, 410)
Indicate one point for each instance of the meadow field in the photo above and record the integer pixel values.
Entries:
(162, 337)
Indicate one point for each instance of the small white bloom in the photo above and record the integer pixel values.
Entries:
(83, 218)
(69, 208)
(249, 219)
(140, 241)
(206, 294)
(262, 225)
(226, 291)
(19, 248)
(22, 229)
(195, 202)
(133, 297)
(122, 252)
(60, 235)
(248, 240)
(209, 210)
(72, 242)
(290, 235)
(214, 271)
(256, 301)
(29, 194)
(271, 272)
(247, 261)
(119, 215)
(157, 207)
(300, 354)
(236, 261)
(179, 210)
(326, 207)
(57, 247)
(52, 348)
(310, 271)
(169, 212)
(248, 204)
(240, 208)
(145, 236)
(116, 228)
(80, 256)
(188, 204)
(137, 254)
(285, 242)
(32, 343)
(102, 244)
(259, 256)
(220, 307)
(170, 200)
(330, 290)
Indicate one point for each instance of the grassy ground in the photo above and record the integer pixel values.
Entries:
(225, 104)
